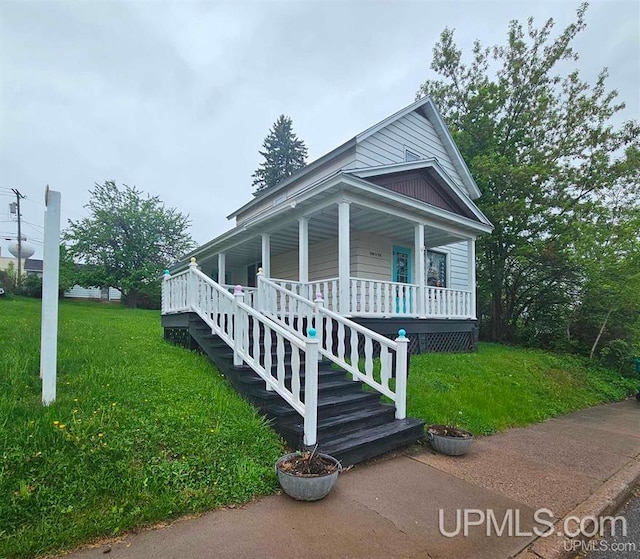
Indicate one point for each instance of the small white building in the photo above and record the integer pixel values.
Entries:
(33, 266)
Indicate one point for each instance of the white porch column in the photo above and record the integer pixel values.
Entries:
(222, 270)
(471, 254)
(266, 255)
(344, 257)
(419, 256)
(303, 249)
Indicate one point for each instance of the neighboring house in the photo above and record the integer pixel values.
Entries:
(360, 258)
(97, 293)
(33, 266)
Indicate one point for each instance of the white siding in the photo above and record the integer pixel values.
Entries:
(285, 266)
(371, 258)
(323, 262)
(413, 132)
(114, 294)
(373, 254)
(78, 292)
(458, 273)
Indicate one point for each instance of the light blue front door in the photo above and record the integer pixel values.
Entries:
(401, 264)
(402, 274)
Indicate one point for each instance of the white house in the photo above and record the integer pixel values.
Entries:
(375, 239)
(384, 225)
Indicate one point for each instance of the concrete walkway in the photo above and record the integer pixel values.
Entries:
(389, 508)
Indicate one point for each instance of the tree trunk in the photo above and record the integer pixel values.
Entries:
(595, 344)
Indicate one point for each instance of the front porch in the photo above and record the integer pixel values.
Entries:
(365, 259)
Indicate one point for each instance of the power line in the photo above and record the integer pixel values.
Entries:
(34, 225)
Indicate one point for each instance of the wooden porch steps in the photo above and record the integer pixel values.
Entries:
(353, 424)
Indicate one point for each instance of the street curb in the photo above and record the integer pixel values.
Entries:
(605, 501)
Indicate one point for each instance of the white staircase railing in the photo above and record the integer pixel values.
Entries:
(341, 339)
(231, 319)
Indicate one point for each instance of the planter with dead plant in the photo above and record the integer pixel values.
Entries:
(307, 475)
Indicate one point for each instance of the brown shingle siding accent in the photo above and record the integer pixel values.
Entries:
(424, 187)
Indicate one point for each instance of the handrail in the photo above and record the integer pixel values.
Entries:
(283, 306)
(231, 319)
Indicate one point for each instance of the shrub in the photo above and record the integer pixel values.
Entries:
(618, 355)
(32, 286)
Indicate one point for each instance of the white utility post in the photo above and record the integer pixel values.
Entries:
(266, 255)
(344, 257)
(420, 254)
(222, 268)
(50, 283)
(303, 253)
(471, 253)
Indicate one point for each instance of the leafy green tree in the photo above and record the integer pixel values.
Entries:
(127, 240)
(608, 307)
(283, 155)
(540, 143)
(69, 274)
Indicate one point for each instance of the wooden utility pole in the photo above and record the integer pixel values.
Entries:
(18, 198)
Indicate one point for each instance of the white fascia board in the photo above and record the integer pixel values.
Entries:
(395, 116)
(452, 148)
(296, 176)
(378, 170)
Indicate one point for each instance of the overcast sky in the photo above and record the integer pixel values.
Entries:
(176, 97)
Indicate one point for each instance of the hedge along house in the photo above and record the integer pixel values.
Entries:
(373, 238)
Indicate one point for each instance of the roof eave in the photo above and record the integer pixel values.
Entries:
(297, 176)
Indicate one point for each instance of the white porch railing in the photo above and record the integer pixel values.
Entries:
(375, 298)
(448, 303)
(230, 318)
(383, 298)
(249, 293)
(330, 292)
(340, 339)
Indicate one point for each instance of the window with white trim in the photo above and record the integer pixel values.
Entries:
(410, 156)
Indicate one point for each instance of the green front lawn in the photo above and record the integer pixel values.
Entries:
(501, 387)
(141, 431)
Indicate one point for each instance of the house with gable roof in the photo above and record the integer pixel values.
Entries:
(375, 239)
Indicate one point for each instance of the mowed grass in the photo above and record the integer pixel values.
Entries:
(500, 387)
(141, 431)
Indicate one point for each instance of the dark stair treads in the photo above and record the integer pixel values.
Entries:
(373, 441)
(340, 424)
(353, 425)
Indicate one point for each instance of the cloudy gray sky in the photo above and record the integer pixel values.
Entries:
(175, 97)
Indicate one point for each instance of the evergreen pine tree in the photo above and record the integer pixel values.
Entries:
(283, 155)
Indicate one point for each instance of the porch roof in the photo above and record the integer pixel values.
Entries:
(374, 209)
